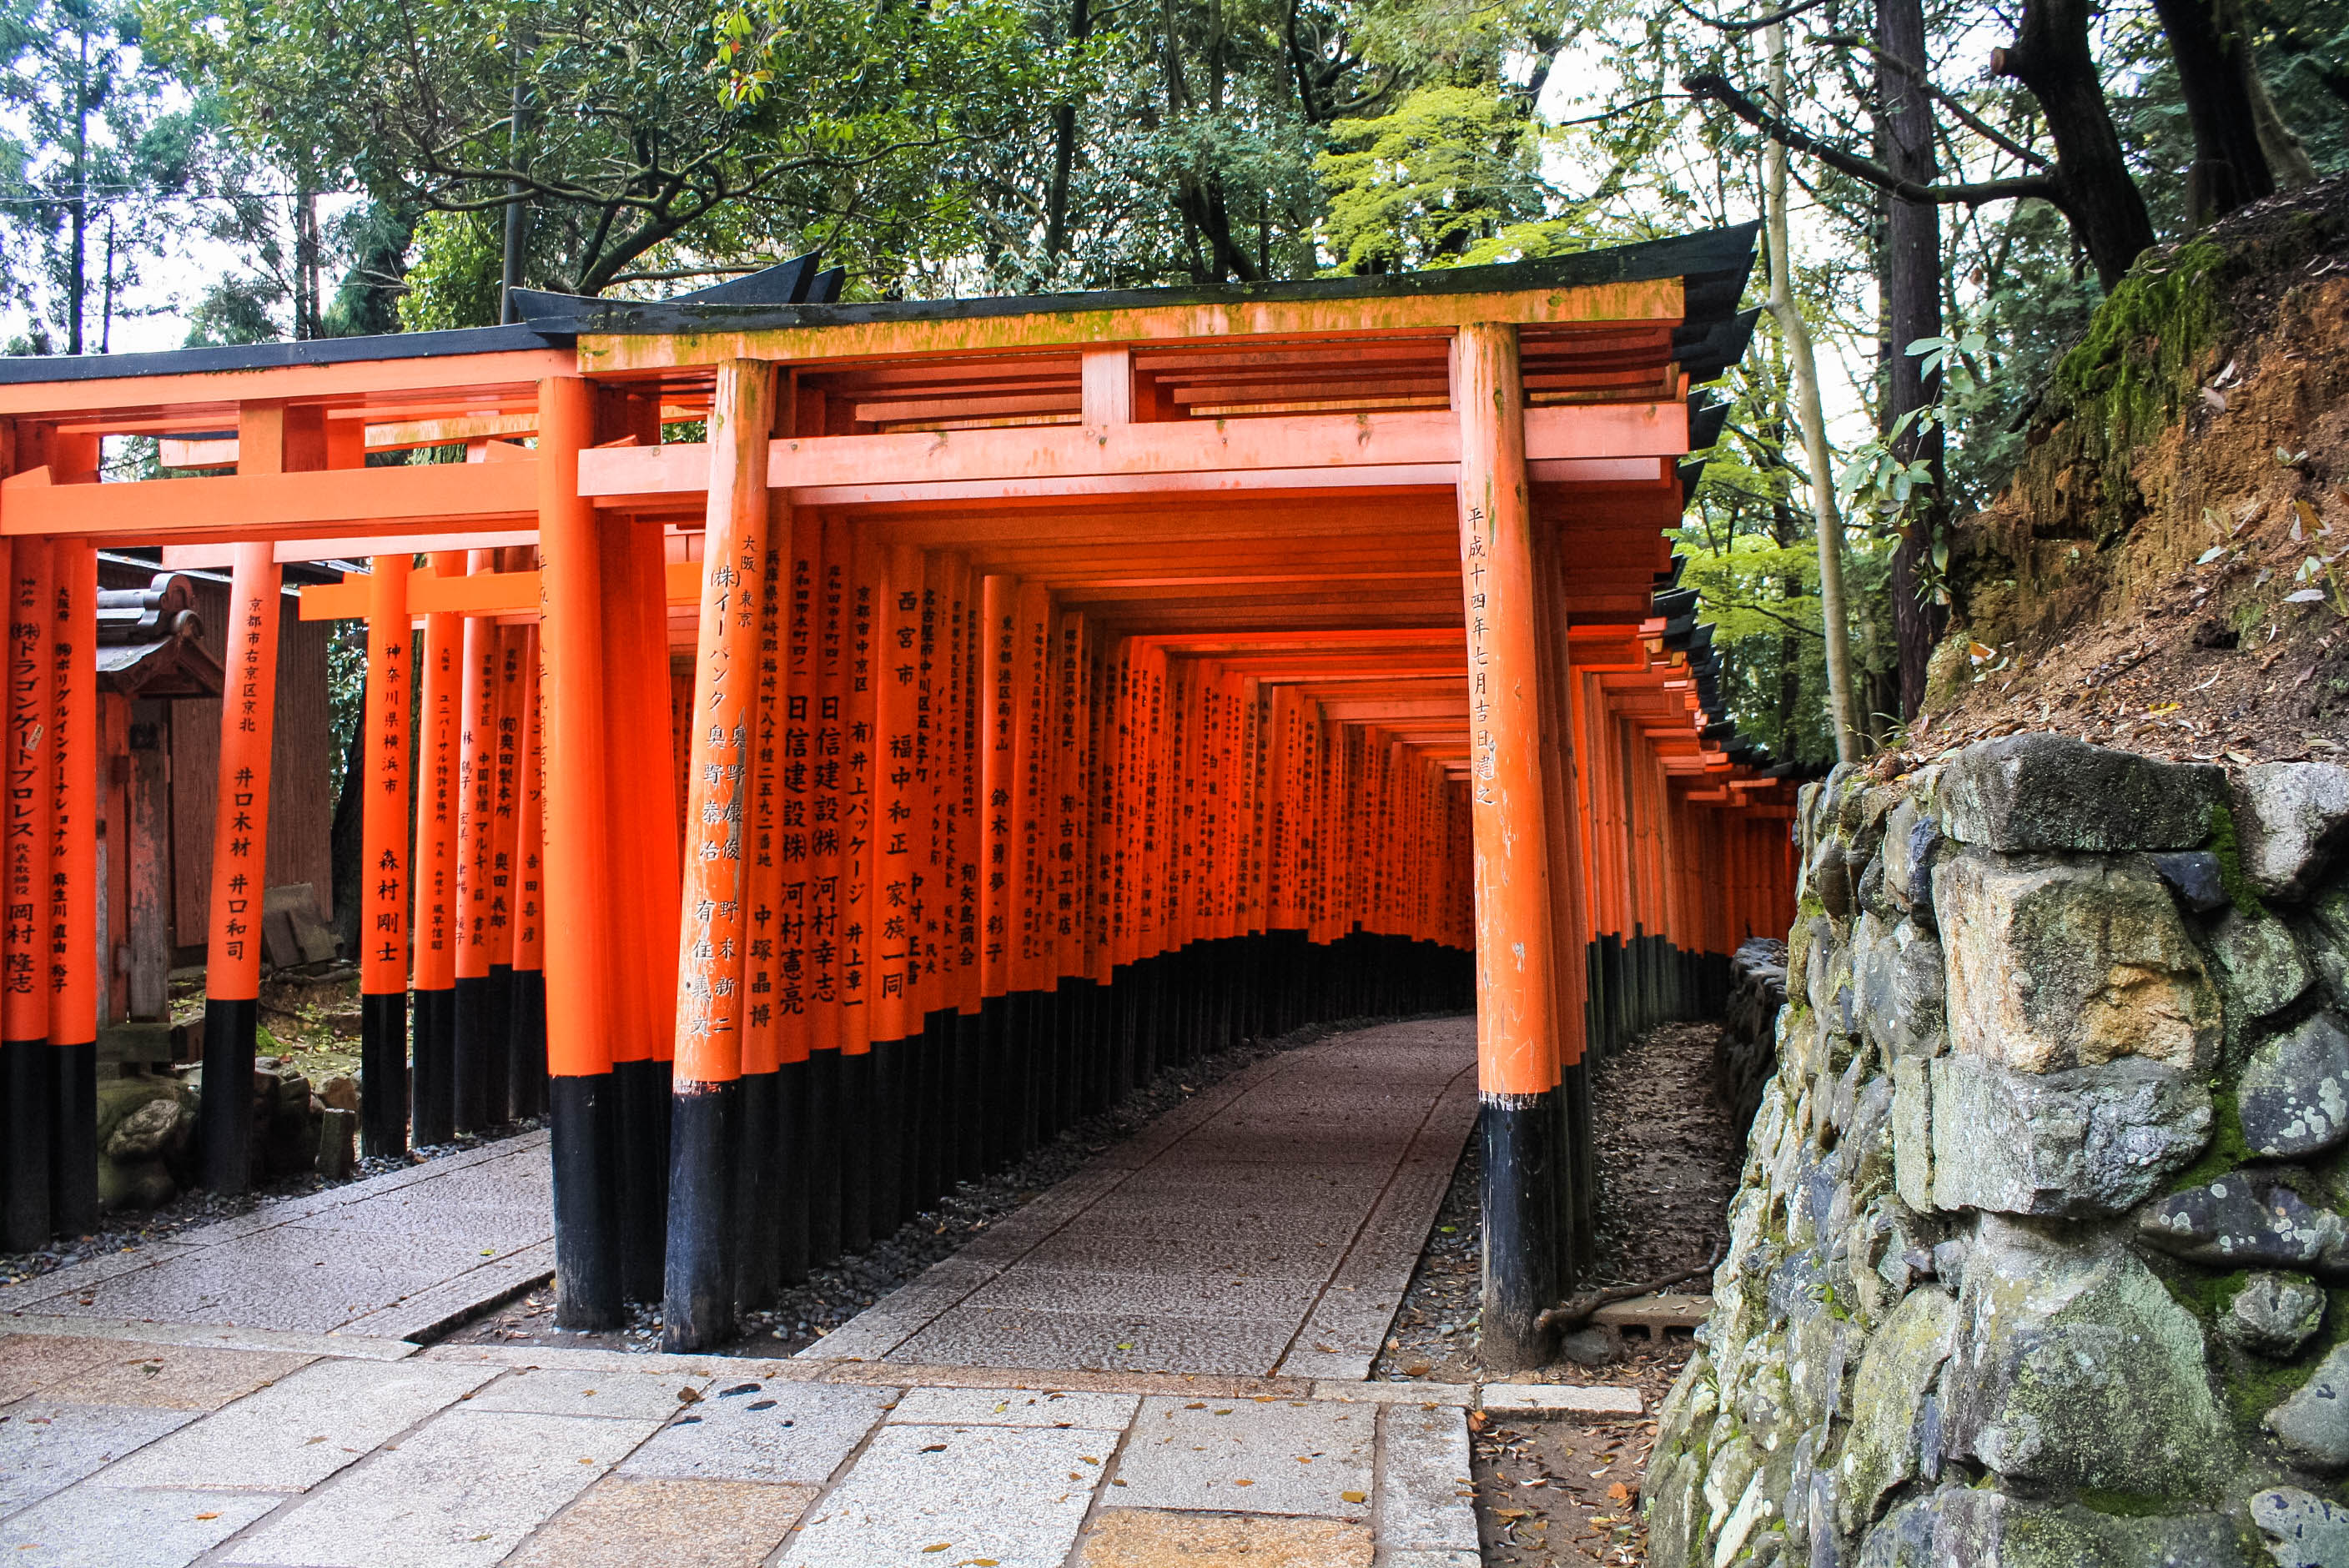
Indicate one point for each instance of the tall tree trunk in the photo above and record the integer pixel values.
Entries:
(77, 267)
(1908, 289)
(517, 212)
(1808, 416)
(2214, 68)
(2050, 56)
(1064, 147)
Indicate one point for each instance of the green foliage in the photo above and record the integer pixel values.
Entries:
(1439, 179)
(453, 273)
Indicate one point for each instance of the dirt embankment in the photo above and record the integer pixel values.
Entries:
(2169, 571)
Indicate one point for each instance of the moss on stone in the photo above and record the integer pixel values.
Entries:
(2227, 846)
(2125, 1504)
(2226, 1149)
(2254, 1385)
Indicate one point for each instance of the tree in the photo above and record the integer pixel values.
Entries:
(98, 160)
(650, 141)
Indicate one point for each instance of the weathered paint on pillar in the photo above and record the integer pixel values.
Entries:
(1516, 992)
(700, 1282)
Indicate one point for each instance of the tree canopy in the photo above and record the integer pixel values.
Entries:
(1965, 183)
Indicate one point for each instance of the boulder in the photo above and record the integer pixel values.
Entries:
(2195, 877)
(2028, 792)
(1913, 840)
(2300, 1530)
(146, 1133)
(2074, 1366)
(2273, 1315)
(1894, 1402)
(1987, 1527)
(2260, 970)
(2093, 1140)
(1833, 879)
(2294, 1097)
(1898, 981)
(2314, 1419)
(2237, 1222)
(340, 1092)
(2292, 822)
(2055, 964)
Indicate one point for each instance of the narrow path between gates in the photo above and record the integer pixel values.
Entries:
(1268, 1226)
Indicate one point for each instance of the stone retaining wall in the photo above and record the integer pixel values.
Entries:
(2040, 1254)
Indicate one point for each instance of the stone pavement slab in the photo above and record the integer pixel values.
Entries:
(111, 1527)
(796, 1433)
(295, 1433)
(175, 1377)
(45, 1446)
(32, 1362)
(610, 1393)
(624, 1522)
(944, 1495)
(461, 1493)
(1152, 1538)
(1268, 1224)
(398, 1254)
(1425, 1497)
(1013, 1407)
(1274, 1455)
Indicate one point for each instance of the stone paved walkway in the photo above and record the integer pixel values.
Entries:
(399, 1256)
(1268, 1226)
(147, 1447)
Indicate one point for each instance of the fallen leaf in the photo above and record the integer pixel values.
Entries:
(1351, 1496)
(941, 1546)
(1510, 1512)
(207, 1516)
(1196, 1404)
(1243, 1481)
(935, 1449)
(1417, 1370)
(688, 1397)
(1618, 1492)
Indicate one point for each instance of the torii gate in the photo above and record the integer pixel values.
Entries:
(1076, 683)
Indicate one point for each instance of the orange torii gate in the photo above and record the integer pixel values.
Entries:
(893, 731)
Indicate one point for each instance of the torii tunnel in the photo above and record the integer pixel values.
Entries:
(856, 740)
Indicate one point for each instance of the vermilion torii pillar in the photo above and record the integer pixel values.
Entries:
(240, 861)
(24, 867)
(578, 925)
(74, 883)
(383, 832)
(698, 1297)
(439, 723)
(1517, 1020)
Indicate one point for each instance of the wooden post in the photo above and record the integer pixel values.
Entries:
(698, 1295)
(479, 1048)
(530, 898)
(73, 882)
(24, 991)
(767, 1134)
(642, 824)
(240, 857)
(1516, 1024)
(439, 723)
(383, 832)
(578, 927)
